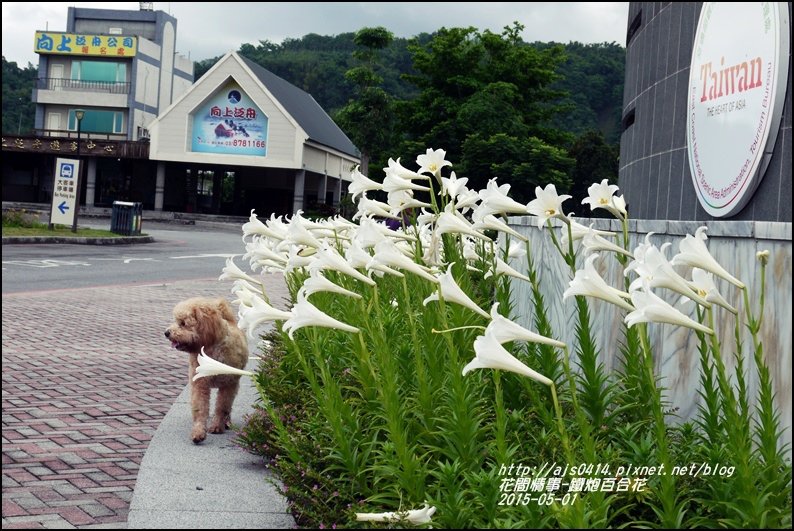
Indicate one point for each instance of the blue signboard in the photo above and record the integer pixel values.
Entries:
(230, 123)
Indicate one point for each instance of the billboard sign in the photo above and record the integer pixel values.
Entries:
(230, 123)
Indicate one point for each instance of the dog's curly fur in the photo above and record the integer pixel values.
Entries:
(209, 323)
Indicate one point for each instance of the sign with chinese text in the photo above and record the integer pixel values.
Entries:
(229, 122)
(737, 87)
(82, 44)
(64, 191)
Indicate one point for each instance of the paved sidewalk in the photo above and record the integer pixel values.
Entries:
(182, 485)
(87, 379)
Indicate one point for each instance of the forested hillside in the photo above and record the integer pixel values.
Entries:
(591, 74)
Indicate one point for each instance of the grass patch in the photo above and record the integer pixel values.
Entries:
(25, 223)
(60, 231)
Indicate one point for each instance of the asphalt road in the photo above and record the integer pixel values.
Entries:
(179, 252)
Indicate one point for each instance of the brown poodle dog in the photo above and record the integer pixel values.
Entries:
(209, 323)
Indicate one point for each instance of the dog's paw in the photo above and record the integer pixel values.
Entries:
(217, 427)
(198, 435)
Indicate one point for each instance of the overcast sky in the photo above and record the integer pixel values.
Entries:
(210, 29)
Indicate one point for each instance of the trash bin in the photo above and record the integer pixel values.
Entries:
(126, 218)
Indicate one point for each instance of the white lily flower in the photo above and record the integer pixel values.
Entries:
(504, 330)
(248, 318)
(650, 308)
(402, 172)
(232, 272)
(254, 226)
(470, 249)
(466, 199)
(432, 162)
(451, 223)
(246, 294)
(329, 258)
(211, 367)
(361, 183)
(516, 250)
(298, 232)
(639, 255)
(452, 186)
(387, 254)
(451, 292)
(762, 256)
(260, 249)
(371, 232)
(657, 272)
(297, 260)
(356, 256)
(601, 196)
(394, 183)
(703, 284)
(370, 207)
(693, 252)
(489, 221)
(433, 248)
(403, 199)
(317, 282)
(489, 354)
(415, 517)
(494, 199)
(578, 231)
(547, 204)
(619, 202)
(502, 268)
(425, 218)
(593, 242)
(588, 282)
(305, 314)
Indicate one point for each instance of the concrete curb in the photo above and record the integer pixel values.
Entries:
(121, 240)
(211, 485)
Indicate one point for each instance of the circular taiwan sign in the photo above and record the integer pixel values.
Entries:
(737, 87)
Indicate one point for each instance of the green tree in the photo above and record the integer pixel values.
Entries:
(18, 108)
(486, 99)
(368, 117)
(595, 160)
(591, 77)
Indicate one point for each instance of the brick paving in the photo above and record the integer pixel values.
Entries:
(87, 376)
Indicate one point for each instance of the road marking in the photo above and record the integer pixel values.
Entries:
(44, 263)
(205, 256)
(128, 260)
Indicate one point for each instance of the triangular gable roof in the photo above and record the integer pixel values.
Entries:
(304, 109)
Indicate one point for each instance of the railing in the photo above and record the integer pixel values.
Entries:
(61, 83)
(86, 135)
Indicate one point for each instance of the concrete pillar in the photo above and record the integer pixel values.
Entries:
(217, 189)
(90, 181)
(159, 187)
(321, 190)
(338, 192)
(297, 196)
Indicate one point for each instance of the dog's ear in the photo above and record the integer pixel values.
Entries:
(225, 310)
(209, 323)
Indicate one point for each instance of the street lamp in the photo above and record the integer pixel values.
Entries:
(79, 114)
(21, 109)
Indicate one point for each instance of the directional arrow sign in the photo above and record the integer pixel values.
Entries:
(64, 191)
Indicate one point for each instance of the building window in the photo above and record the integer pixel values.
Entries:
(96, 121)
(204, 183)
(107, 71)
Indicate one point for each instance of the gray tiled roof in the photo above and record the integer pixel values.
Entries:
(304, 109)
